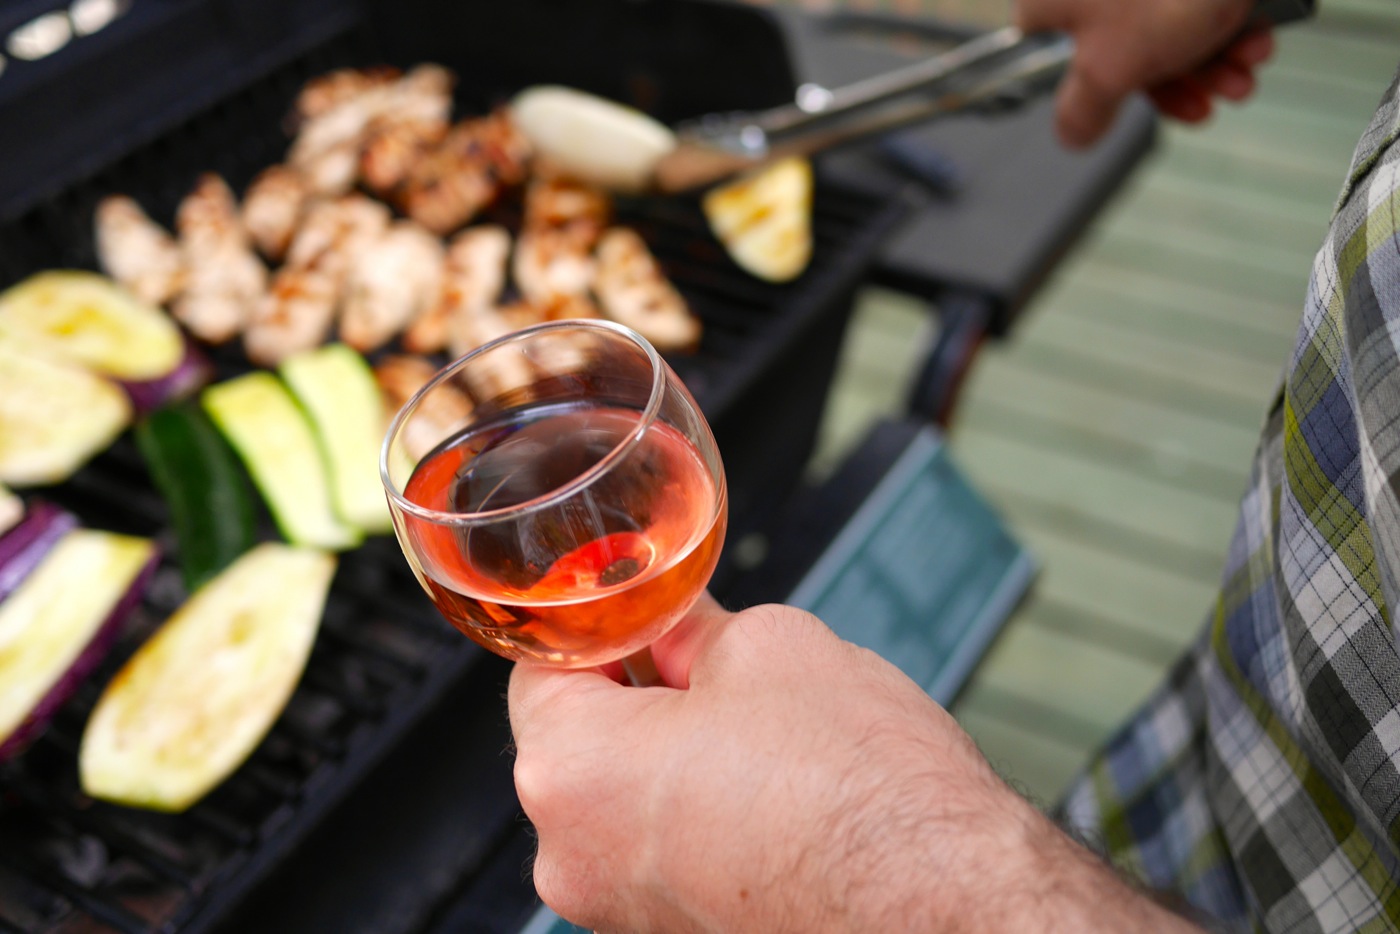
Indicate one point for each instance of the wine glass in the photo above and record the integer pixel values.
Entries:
(558, 494)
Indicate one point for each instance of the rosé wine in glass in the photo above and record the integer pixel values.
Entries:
(558, 494)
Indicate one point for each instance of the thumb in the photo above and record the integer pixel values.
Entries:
(676, 651)
(541, 698)
(1084, 110)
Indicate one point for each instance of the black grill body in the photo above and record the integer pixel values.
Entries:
(184, 86)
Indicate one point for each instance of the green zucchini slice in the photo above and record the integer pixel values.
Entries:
(260, 419)
(211, 506)
(196, 699)
(336, 387)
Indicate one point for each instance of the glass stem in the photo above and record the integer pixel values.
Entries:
(641, 669)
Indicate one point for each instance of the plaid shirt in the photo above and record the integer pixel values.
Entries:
(1262, 781)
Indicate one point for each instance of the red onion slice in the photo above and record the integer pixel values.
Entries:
(24, 546)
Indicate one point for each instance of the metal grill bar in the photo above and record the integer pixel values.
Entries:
(49, 806)
(104, 911)
(221, 825)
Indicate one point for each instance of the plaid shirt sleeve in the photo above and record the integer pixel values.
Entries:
(1262, 780)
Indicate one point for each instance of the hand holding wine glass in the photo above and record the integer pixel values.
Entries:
(558, 494)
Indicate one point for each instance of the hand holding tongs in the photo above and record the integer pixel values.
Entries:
(1004, 65)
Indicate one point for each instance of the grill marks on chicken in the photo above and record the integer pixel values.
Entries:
(272, 208)
(568, 255)
(138, 252)
(390, 285)
(473, 276)
(450, 182)
(442, 412)
(223, 278)
(634, 291)
(344, 113)
(299, 310)
(554, 265)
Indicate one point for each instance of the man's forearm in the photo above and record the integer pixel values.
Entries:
(972, 855)
(1065, 887)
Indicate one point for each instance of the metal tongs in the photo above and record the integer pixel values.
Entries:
(1005, 67)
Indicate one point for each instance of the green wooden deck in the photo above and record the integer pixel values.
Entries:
(1114, 429)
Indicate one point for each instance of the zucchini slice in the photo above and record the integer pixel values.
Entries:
(53, 417)
(211, 505)
(56, 626)
(199, 695)
(336, 387)
(272, 436)
(87, 319)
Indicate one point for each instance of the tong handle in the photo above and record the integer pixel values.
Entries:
(1041, 63)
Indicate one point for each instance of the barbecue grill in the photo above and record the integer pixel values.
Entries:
(177, 87)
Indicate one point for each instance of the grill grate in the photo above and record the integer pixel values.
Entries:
(383, 657)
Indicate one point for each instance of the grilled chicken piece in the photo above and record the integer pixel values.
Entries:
(416, 123)
(452, 182)
(473, 276)
(321, 94)
(391, 283)
(393, 147)
(299, 311)
(338, 230)
(327, 147)
(560, 351)
(136, 251)
(497, 138)
(496, 373)
(296, 314)
(554, 261)
(332, 171)
(272, 206)
(224, 279)
(444, 191)
(634, 291)
(557, 202)
(440, 415)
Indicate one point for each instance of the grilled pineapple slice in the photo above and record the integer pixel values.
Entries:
(764, 219)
